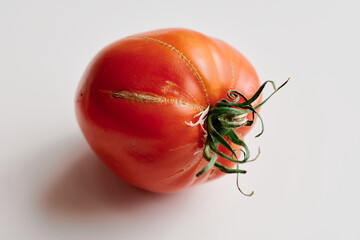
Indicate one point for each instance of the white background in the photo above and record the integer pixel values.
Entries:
(306, 180)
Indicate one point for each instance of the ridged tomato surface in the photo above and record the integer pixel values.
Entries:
(137, 94)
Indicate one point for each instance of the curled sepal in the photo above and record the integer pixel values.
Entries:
(220, 123)
(228, 170)
(234, 138)
(238, 186)
(211, 159)
(215, 135)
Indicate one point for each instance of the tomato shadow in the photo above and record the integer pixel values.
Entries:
(86, 188)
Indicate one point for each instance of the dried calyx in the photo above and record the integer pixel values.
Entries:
(221, 120)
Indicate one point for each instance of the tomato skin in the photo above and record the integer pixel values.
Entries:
(137, 94)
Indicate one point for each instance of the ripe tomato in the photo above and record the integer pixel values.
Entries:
(138, 96)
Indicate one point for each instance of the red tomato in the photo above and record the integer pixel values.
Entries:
(137, 97)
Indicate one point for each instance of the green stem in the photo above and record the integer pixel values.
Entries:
(222, 119)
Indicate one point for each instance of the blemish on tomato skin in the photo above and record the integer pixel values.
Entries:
(174, 174)
(196, 162)
(146, 97)
(78, 99)
(187, 61)
(182, 146)
(212, 173)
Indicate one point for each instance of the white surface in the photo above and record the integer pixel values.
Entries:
(306, 181)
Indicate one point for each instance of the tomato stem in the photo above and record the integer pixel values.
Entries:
(221, 120)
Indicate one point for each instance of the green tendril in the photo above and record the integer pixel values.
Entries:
(238, 186)
(220, 124)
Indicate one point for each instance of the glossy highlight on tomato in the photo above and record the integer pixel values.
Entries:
(139, 95)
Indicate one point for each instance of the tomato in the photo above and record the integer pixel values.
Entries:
(140, 95)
